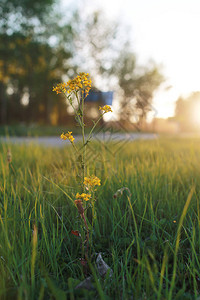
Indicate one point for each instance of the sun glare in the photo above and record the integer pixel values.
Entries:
(196, 114)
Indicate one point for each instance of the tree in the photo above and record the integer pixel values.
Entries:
(98, 43)
(29, 64)
(137, 84)
(112, 60)
(23, 15)
(38, 49)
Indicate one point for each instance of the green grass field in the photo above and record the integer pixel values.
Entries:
(151, 241)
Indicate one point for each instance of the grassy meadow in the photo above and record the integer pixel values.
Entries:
(151, 240)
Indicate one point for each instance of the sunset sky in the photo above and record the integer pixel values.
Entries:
(166, 31)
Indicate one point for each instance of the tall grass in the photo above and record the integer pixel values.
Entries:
(151, 240)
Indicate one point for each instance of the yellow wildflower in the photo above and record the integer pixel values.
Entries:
(81, 82)
(84, 196)
(105, 108)
(61, 87)
(92, 181)
(67, 136)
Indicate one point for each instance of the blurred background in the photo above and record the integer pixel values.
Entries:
(143, 58)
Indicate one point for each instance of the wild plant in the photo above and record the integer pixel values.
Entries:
(76, 90)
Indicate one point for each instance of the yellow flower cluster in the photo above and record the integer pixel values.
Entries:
(80, 82)
(67, 136)
(61, 87)
(105, 108)
(83, 196)
(92, 181)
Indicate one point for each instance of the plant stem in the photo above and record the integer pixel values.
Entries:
(93, 128)
(83, 136)
(87, 236)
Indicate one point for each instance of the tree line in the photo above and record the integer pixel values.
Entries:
(39, 47)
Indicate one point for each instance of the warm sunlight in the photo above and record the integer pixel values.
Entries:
(196, 114)
(99, 149)
(167, 32)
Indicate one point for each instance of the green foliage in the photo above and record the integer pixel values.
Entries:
(140, 236)
(22, 11)
(29, 67)
(30, 64)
